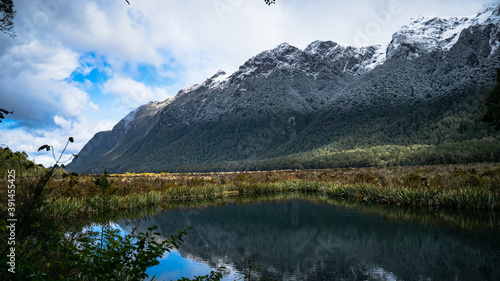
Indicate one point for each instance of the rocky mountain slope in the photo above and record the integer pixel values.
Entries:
(285, 107)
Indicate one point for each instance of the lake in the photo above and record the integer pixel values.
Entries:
(313, 239)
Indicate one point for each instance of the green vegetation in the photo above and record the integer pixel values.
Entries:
(37, 246)
(19, 161)
(492, 115)
(107, 255)
(484, 150)
(473, 186)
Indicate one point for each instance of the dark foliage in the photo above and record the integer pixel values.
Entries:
(7, 13)
(46, 249)
(4, 112)
(492, 115)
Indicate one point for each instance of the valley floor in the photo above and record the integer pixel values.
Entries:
(466, 186)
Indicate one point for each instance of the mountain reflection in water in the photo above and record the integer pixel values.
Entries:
(303, 240)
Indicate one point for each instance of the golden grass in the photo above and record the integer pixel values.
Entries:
(471, 186)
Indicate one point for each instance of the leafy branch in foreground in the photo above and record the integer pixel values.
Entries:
(115, 256)
(7, 14)
(34, 232)
(4, 112)
(35, 199)
(47, 251)
(109, 255)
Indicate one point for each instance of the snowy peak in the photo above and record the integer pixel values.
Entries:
(283, 56)
(215, 81)
(142, 112)
(314, 57)
(425, 35)
(489, 14)
(348, 59)
(285, 50)
(420, 36)
(321, 48)
(428, 34)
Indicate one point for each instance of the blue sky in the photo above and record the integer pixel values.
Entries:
(78, 67)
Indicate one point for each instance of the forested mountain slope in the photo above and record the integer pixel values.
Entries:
(417, 100)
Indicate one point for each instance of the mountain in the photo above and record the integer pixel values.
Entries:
(417, 100)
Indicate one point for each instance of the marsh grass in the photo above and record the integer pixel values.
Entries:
(473, 186)
(367, 198)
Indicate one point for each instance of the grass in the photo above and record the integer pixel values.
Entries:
(473, 186)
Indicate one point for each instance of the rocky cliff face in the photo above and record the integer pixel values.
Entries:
(286, 100)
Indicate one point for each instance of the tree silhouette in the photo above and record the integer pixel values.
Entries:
(492, 115)
(7, 13)
(2, 112)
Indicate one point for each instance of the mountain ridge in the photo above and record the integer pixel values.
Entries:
(286, 101)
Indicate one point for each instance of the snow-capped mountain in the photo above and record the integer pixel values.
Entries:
(287, 101)
(348, 59)
(427, 34)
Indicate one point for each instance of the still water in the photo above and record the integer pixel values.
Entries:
(299, 239)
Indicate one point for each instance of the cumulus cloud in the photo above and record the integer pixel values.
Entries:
(130, 93)
(29, 139)
(31, 79)
(198, 38)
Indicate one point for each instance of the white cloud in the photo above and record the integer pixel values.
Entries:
(31, 78)
(29, 140)
(200, 37)
(63, 123)
(131, 93)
